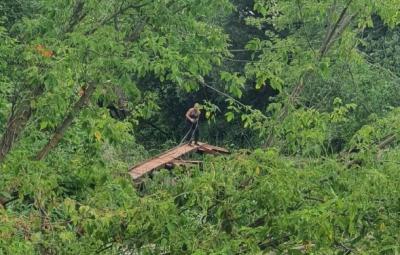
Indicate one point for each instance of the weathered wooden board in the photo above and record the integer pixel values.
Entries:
(170, 156)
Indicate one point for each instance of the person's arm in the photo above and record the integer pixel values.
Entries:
(188, 115)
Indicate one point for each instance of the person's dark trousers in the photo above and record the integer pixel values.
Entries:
(194, 131)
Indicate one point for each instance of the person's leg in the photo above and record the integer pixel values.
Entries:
(190, 135)
(196, 133)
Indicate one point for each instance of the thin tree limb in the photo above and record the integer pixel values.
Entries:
(120, 11)
(330, 32)
(305, 31)
(78, 14)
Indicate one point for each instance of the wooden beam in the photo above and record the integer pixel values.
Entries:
(180, 162)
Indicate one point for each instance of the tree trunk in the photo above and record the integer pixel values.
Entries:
(66, 123)
(82, 102)
(23, 110)
(333, 33)
(15, 125)
(17, 122)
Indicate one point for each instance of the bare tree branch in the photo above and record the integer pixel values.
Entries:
(120, 11)
(331, 32)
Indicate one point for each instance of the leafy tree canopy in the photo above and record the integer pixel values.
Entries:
(308, 90)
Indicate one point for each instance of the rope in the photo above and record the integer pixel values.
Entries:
(194, 131)
(184, 138)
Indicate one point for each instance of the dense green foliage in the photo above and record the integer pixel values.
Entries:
(305, 93)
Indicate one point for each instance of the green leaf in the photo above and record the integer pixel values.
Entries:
(43, 125)
(229, 116)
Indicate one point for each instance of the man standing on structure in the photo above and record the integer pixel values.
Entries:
(192, 118)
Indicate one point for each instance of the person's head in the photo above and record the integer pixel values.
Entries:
(196, 106)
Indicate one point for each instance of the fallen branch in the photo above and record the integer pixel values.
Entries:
(383, 144)
(388, 140)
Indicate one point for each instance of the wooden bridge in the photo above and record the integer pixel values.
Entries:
(172, 158)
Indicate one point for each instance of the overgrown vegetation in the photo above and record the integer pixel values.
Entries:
(305, 94)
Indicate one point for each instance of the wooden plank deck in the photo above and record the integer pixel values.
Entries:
(170, 156)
